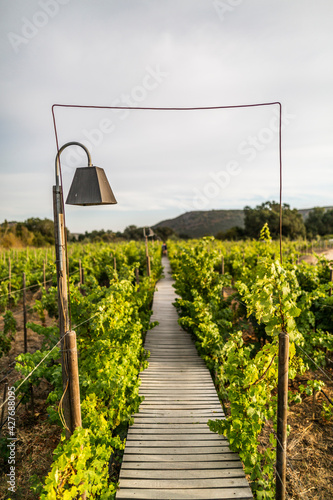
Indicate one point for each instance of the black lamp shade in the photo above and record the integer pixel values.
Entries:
(90, 187)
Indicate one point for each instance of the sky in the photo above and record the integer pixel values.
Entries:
(165, 53)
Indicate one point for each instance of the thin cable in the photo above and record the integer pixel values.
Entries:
(313, 361)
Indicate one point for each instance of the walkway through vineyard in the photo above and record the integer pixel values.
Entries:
(170, 452)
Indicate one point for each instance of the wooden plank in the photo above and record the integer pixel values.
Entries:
(231, 463)
(182, 474)
(178, 494)
(235, 482)
(180, 443)
(176, 450)
(161, 458)
(208, 436)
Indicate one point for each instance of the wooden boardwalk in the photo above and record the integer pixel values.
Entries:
(170, 452)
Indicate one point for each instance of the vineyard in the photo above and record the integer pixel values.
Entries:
(234, 300)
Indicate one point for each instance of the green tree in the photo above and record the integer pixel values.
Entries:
(315, 222)
(269, 212)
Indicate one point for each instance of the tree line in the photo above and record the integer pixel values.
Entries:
(319, 222)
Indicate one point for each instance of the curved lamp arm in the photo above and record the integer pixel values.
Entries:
(57, 163)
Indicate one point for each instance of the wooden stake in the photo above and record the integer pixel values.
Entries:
(73, 375)
(9, 279)
(331, 279)
(147, 256)
(282, 413)
(80, 272)
(3, 400)
(25, 315)
(44, 275)
(115, 263)
(314, 400)
(137, 276)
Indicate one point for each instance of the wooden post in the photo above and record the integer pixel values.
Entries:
(9, 279)
(80, 271)
(148, 266)
(137, 276)
(222, 265)
(44, 276)
(70, 352)
(3, 400)
(282, 412)
(25, 315)
(82, 275)
(314, 400)
(115, 263)
(331, 279)
(147, 256)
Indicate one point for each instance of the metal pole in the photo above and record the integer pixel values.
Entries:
(282, 413)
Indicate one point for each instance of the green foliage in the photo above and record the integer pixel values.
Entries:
(269, 212)
(112, 313)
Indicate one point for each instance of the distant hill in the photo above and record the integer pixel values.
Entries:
(210, 222)
(204, 223)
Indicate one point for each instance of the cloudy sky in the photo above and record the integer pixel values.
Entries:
(166, 53)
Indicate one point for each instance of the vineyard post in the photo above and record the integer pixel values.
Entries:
(115, 263)
(147, 252)
(9, 279)
(282, 412)
(25, 314)
(44, 276)
(5, 387)
(80, 271)
(137, 276)
(331, 279)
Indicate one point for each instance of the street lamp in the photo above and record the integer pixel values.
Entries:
(89, 187)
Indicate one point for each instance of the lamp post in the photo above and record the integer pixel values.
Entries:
(89, 187)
